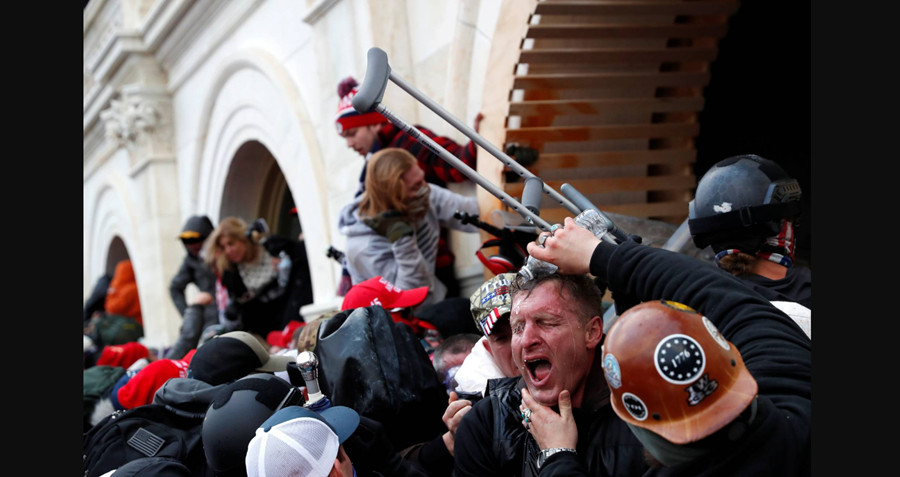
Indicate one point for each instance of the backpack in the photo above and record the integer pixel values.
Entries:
(379, 368)
(98, 380)
(164, 428)
(113, 329)
(153, 466)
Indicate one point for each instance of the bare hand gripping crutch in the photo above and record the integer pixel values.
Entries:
(369, 97)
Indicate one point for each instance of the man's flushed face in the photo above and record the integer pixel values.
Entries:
(549, 346)
(360, 139)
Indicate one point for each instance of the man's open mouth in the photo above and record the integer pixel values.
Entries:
(538, 369)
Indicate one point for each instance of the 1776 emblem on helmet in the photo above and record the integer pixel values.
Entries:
(679, 359)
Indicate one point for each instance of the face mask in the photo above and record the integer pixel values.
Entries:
(670, 454)
(666, 452)
(418, 203)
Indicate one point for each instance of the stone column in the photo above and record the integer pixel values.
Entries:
(140, 119)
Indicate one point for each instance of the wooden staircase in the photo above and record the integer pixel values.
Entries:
(609, 92)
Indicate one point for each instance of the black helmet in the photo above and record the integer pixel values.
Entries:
(234, 414)
(740, 202)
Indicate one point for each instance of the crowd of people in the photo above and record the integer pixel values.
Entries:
(704, 370)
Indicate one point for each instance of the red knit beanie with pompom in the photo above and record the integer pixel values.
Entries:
(347, 117)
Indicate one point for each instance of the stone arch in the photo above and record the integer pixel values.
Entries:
(254, 101)
(111, 214)
(116, 252)
(256, 187)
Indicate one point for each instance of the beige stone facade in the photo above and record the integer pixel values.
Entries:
(224, 107)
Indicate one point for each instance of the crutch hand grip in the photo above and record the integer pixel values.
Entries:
(372, 89)
(532, 194)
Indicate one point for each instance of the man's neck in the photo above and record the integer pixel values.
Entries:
(595, 392)
(769, 269)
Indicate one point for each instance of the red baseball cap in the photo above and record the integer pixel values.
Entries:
(283, 338)
(123, 355)
(378, 291)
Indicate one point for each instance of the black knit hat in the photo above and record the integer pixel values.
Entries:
(197, 227)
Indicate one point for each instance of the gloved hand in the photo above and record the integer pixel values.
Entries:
(258, 229)
(524, 155)
(391, 224)
(419, 203)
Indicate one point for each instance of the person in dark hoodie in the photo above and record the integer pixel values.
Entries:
(202, 311)
(764, 425)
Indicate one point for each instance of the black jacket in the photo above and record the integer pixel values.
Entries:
(192, 270)
(490, 439)
(274, 304)
(775, 350)
(795, 286)
(299, 288)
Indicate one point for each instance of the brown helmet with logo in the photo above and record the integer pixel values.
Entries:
(671, 372)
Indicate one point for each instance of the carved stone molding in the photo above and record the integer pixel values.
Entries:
(140, 121)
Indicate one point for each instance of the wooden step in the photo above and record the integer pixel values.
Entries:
(610, 80)
(540, 135)
(655, 209)
(552, 108)
(613, 158)
(617, 30)
(617, 184)
(617, 56)
(583, 8)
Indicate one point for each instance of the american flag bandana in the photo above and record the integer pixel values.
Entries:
(488, 324)
(783, 242)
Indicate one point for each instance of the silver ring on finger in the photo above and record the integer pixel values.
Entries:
(543, 238)
(554, 227)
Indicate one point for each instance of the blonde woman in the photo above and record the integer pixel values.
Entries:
(249, 272)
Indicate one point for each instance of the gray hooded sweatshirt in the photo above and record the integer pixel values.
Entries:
(408, 262)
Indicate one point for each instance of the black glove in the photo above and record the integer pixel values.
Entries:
(258, 229)
(335, 254)
(524, 155)
(391, 224)
(275, 244)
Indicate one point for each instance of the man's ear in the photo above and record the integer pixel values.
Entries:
(336, 469)
(593, 331)
(487, 346)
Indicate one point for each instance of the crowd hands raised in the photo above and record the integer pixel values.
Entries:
(522, 378)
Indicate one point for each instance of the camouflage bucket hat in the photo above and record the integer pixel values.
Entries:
(491, 301)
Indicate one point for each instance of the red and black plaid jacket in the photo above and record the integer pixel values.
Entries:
(437, 171)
